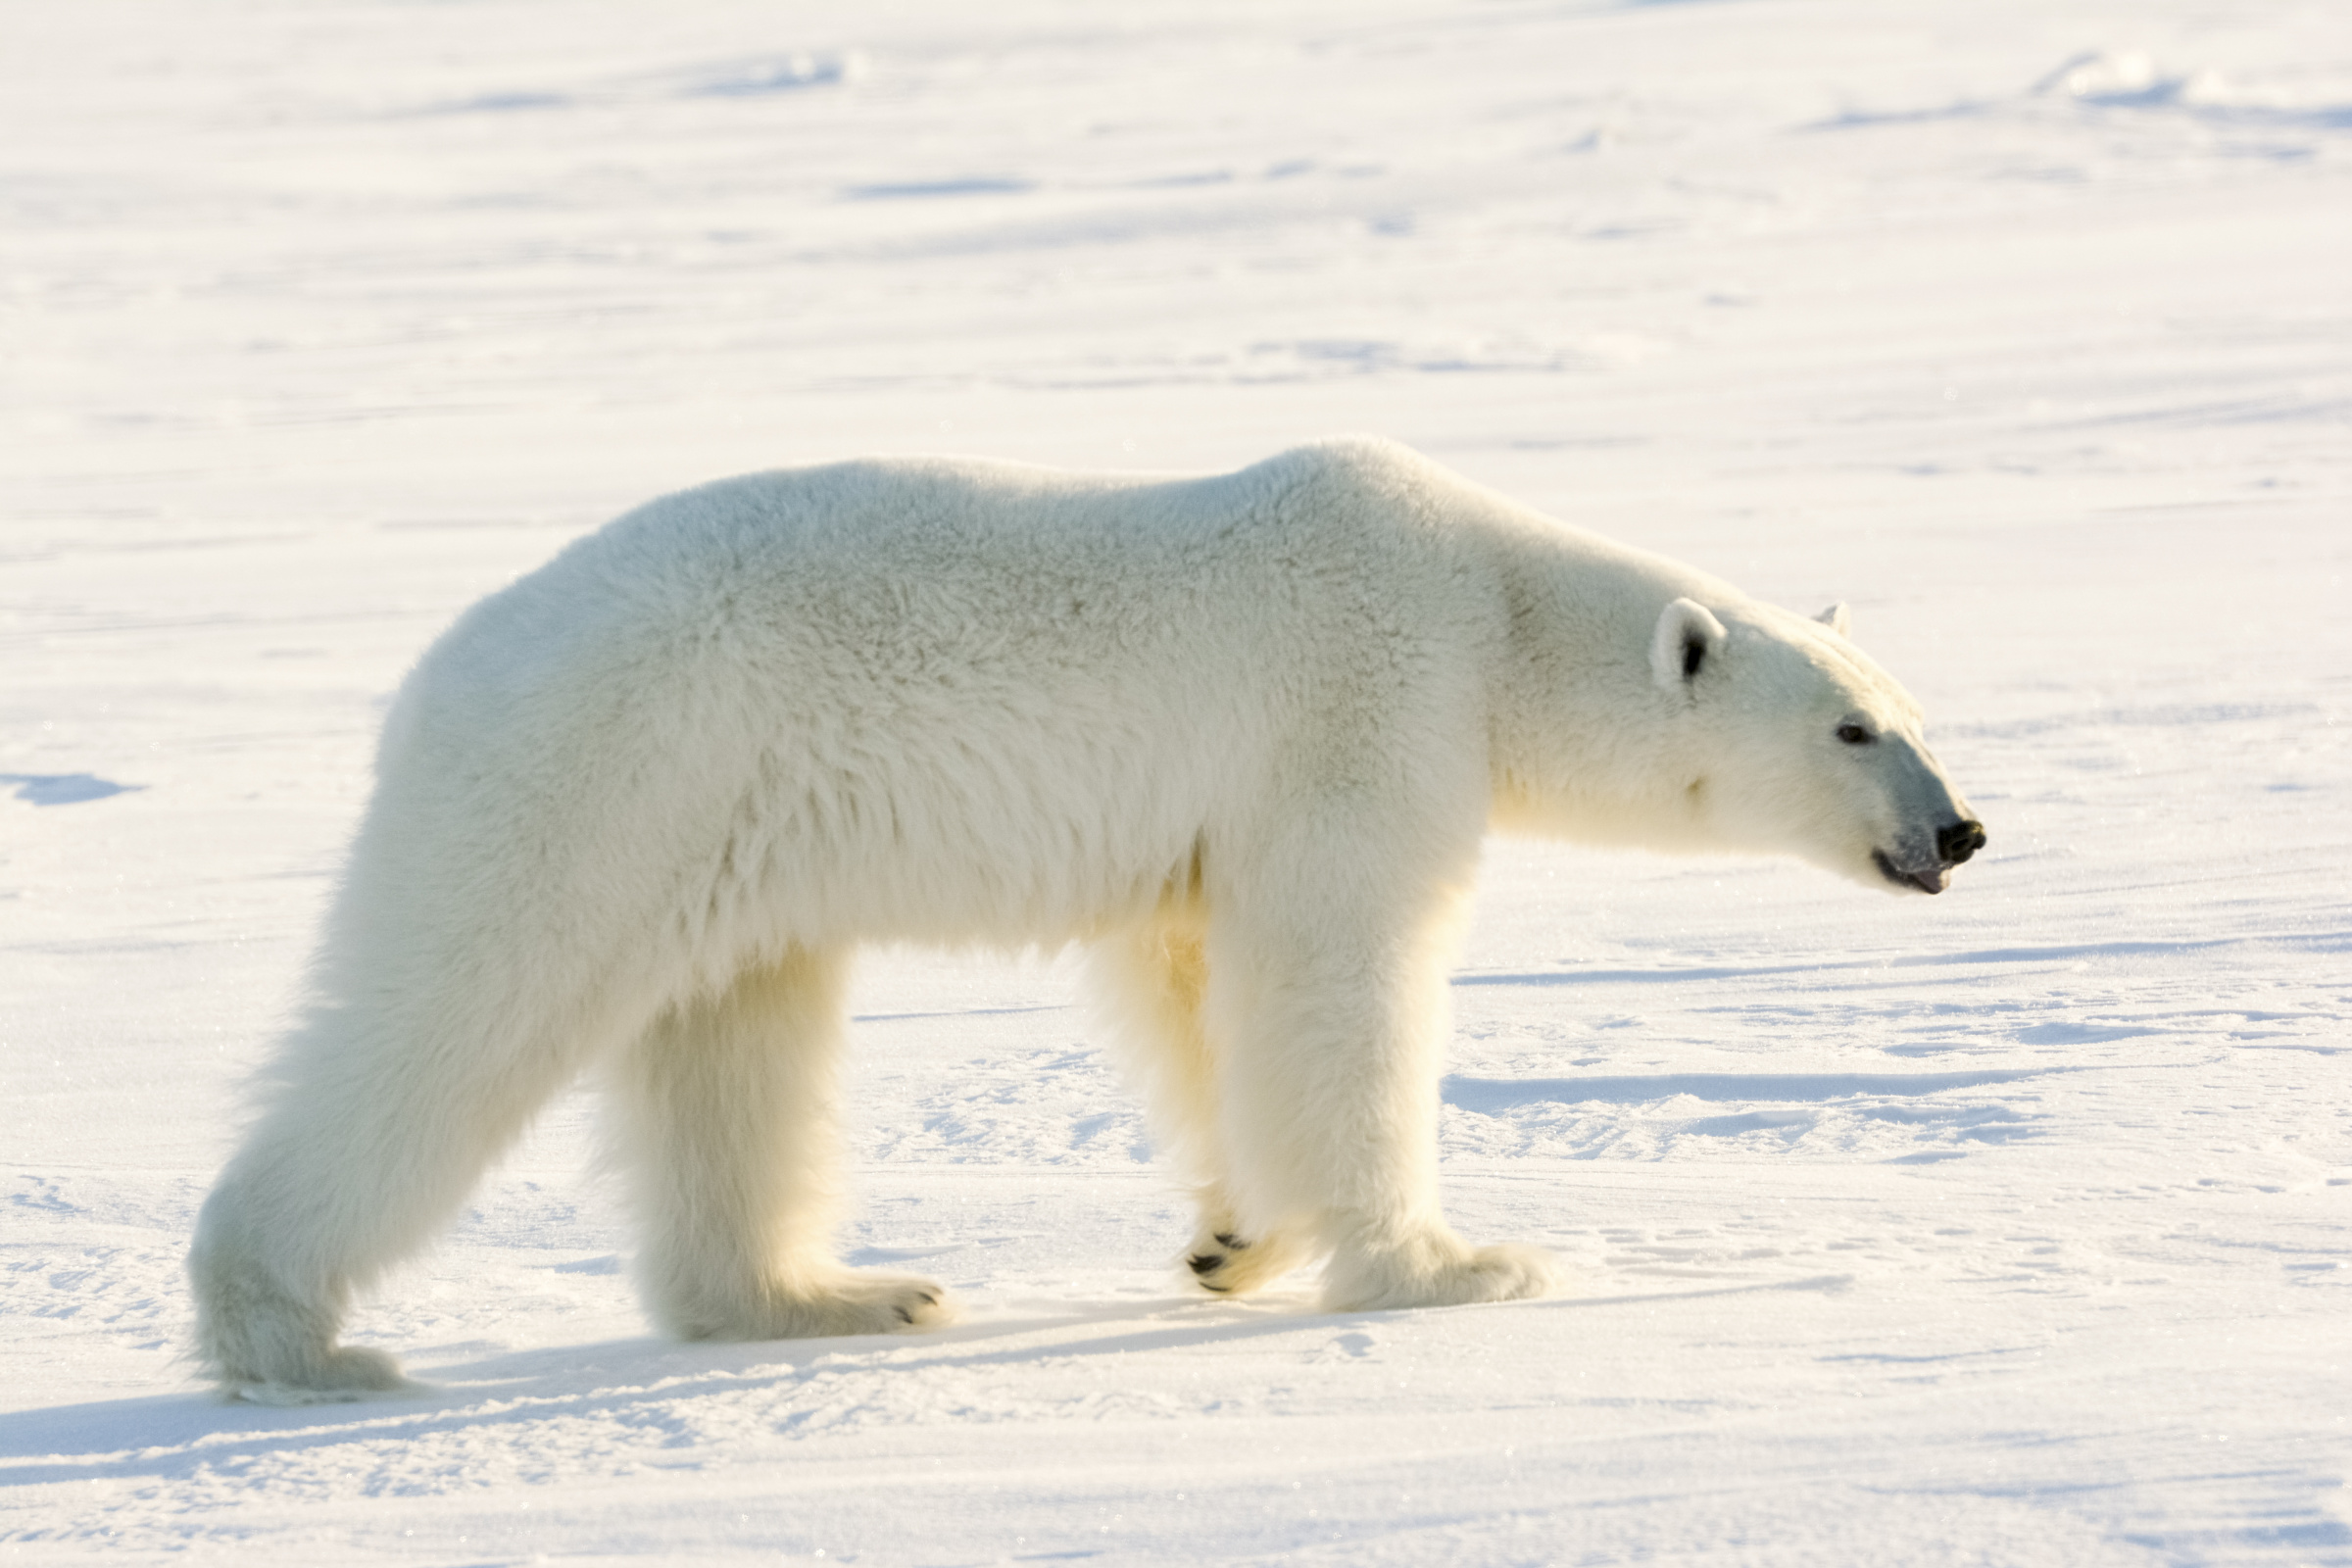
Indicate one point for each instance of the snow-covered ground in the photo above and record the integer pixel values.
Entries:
(2011, 1227)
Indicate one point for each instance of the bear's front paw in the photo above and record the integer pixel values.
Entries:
(1437, 1271)
(901, 1302)
(1507, 1271)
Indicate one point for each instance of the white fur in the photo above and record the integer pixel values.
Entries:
(1241, 733)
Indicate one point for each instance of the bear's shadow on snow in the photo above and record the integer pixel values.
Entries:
(641, 1381)
(632, 1382)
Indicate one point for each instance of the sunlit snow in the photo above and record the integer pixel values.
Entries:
(2008, 1227)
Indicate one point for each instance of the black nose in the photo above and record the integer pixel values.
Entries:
(1959, 841)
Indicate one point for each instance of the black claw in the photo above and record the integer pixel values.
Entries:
(1205, 1262)
(905, 1316)
(1228, 1239)
(1221, 1290)
(929, 1299)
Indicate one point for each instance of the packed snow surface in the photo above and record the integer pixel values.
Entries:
(2008, 1227)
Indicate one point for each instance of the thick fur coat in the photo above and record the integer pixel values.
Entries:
(1242, 734)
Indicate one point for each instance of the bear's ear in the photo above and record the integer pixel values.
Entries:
(1687, 635)
(1838, 620)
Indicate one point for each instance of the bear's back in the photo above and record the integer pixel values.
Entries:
(934, 688)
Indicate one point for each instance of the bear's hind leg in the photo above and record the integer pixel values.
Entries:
(384, 1115)
(1148, 985)
(723, 1116)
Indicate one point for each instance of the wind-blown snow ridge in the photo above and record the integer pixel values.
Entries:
(1482, 1094)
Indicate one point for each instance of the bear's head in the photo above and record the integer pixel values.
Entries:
(1797, 743)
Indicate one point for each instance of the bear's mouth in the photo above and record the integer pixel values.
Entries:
(1931, 879)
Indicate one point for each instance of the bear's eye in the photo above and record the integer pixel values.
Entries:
(1855, 735)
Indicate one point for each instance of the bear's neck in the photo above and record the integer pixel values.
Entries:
(1585, 746)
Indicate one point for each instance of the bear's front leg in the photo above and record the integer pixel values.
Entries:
(1327, 999)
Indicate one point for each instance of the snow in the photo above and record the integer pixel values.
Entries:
(2010, 1227)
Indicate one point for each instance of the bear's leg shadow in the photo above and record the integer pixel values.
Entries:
(1148, 985)
(1327, 992)
(723, 1116)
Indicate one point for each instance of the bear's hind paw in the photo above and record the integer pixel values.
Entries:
(339, 1375)
(856, 1303)
(1229, 1265)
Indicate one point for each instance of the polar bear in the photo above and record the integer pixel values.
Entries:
(1242, 734)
